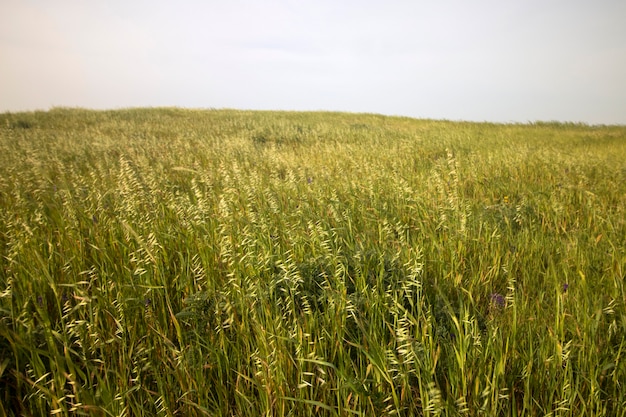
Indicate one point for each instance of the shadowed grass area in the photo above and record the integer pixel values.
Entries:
(237, 263)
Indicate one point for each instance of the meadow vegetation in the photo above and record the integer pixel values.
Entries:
(234, 263)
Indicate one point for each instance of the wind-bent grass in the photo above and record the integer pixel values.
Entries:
(179, 262)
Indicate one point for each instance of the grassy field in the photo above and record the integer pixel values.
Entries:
(233, 263)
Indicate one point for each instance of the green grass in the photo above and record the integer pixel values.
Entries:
(234, 263)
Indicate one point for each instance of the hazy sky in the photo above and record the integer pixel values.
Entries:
(497, 60)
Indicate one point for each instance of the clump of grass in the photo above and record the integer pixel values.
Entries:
(169, 261)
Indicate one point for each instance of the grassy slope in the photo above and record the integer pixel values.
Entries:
(267, 263)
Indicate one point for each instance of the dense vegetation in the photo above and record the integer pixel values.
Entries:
(232, 263)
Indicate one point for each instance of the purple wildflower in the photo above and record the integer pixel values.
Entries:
(565, 287)
(498, 300)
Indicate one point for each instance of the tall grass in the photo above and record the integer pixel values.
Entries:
(231, 263)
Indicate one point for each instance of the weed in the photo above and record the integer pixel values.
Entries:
(231, 263)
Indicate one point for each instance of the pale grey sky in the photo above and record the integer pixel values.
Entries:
(492, 60)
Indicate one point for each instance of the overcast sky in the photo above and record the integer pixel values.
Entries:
(483, 60)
